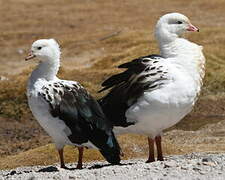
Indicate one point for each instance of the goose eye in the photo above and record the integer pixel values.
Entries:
(39, 48)
(179, 22)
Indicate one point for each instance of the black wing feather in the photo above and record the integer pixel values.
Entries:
(84, 117)
(140, 75)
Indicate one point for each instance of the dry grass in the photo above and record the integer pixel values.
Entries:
(79, 27)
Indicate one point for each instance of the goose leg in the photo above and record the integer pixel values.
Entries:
(151, 157)
(158, 141)
(61, 158)
(80, 157)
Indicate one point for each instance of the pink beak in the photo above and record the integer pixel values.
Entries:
(192, 28)
(30, 56)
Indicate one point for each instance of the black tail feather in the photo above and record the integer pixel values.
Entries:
(106, 143)
(112, 151)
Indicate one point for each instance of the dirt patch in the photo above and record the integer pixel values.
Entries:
(20, 136)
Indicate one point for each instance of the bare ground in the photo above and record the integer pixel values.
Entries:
(184, 167)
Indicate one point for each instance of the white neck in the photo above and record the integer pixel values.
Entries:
(176, 47)
(45, 70)
(163, 36)
(187, 55)
(170, 44)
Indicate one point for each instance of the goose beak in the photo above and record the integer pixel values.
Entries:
(192, 28)
(30, 56)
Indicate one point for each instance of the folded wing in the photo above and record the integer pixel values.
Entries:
(143, 74)
(72, 104)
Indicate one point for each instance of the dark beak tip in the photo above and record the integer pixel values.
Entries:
(30, 56)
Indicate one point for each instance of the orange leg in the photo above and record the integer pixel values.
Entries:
(158, 141)
(79, 163)
(151, 157)
(61, 158)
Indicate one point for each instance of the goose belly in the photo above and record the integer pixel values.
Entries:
(55, 127)
(158, 110)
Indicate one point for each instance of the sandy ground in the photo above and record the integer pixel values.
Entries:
(183, 167)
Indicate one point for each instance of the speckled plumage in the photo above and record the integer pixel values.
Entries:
(67, 112)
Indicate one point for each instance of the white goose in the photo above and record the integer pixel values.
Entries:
(156, 91)
(65, 109)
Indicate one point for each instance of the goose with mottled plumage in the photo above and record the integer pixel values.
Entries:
(66, 111)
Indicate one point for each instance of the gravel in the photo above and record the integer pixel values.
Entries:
(182, 167)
